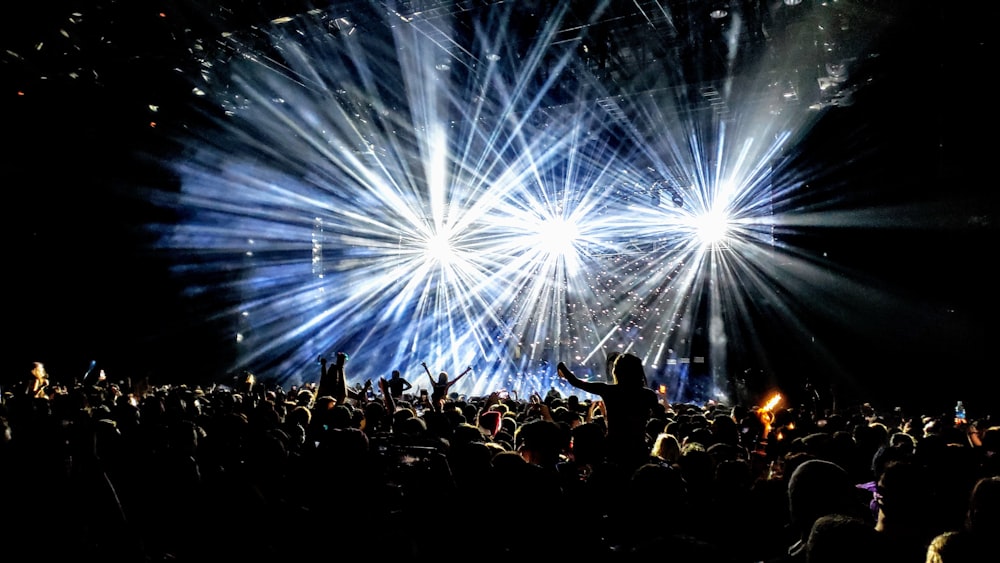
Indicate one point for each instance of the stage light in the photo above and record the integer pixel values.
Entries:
(711, 228)
(440, 249)
(458, 237)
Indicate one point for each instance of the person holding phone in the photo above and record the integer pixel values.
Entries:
(628, 405)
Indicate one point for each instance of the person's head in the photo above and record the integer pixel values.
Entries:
(904, 441)
(628, 371)
(984, 505)
(610, 363)
(38, 370)
(588, 443)
(395, 374)
(904, 493)
(656, 493)
(299, 414)
(489, 421)
(305, 398)
(816, 488)
(573, 403)
(667, 447)
(540, 441)
(443, 377)
(411, 426)
(932, 427)
(952, 545)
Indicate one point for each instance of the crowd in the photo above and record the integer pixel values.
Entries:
(122, 472)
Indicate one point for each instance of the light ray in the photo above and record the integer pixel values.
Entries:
(403, 211)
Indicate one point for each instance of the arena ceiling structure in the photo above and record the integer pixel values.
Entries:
(724, 188)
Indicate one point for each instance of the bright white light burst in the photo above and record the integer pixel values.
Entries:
(712, 227)
(490, 216)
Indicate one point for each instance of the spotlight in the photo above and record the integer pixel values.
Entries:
(792, 2)
(719, 10)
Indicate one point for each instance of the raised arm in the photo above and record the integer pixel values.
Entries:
(362, 395)
(460, 376)
(429, 376)
(326, 382)
(387, 400)
(340, 380)
(537, 404)
(592, 387)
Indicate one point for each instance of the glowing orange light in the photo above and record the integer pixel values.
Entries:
(772, 402)
(767, 416)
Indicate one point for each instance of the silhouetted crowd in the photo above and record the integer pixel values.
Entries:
(123, 472)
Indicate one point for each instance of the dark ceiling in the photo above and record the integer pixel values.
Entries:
(615, 55)
(808, 56)
(695, 55)
(639, 47)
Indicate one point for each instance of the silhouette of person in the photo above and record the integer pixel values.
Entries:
(333, 382)
(816, 488)
(441, 385)
(628, 404)
(37, 385)
(398, 385)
